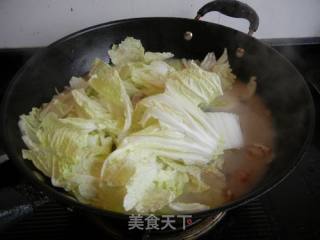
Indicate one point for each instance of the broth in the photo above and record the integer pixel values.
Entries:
(245, 167)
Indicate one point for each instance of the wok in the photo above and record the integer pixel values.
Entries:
(279, 84)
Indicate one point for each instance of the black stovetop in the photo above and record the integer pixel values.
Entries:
(289, 211)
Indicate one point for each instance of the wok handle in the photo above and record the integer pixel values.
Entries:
(19, 202)
(3, 155)
(232, 8)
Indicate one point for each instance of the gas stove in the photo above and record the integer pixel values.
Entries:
(289, 211)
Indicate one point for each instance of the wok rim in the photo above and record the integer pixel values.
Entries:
(52, 191)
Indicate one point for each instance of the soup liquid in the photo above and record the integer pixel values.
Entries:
(242, 168)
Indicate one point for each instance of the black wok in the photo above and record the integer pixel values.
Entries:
(282, 88)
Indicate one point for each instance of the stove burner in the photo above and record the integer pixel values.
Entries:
(118, 229)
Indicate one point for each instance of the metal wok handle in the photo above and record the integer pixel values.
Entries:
(19, 201)
(232, 8)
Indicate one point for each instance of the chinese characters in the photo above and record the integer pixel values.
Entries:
(164, 222)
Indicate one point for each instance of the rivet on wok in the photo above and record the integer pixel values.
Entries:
(70, 209)
(240, 52)
(188, 35)
(70, 197)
